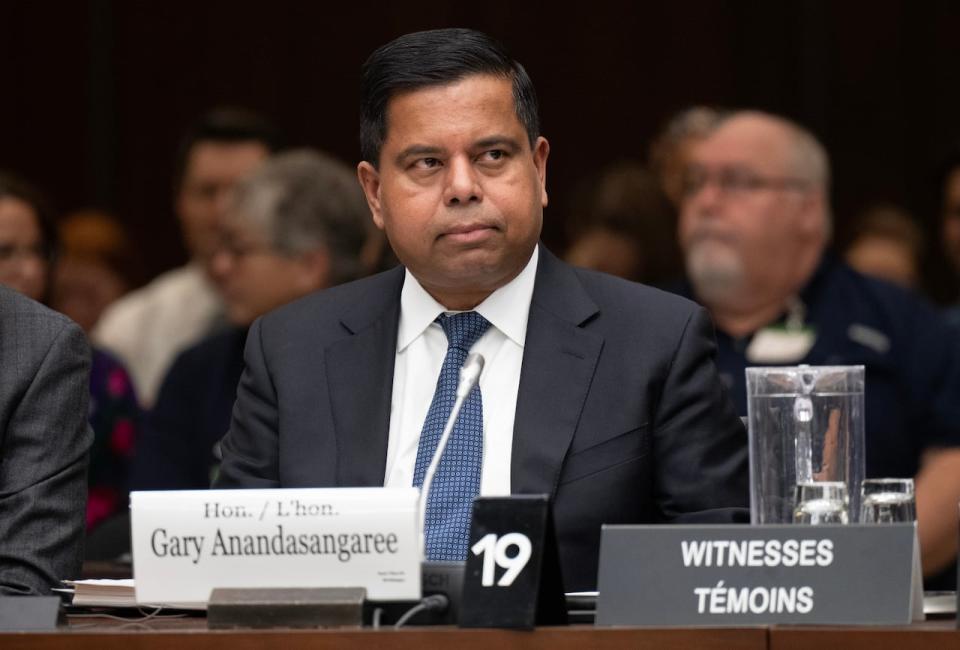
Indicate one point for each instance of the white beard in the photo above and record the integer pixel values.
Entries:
(716, 271)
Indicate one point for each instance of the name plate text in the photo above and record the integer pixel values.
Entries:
(751, 575)
(188, 542)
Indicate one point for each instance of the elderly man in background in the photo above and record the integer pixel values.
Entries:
(297, 225)
(148, 327)
(754, 226)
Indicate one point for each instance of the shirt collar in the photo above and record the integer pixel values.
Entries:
(507, 308)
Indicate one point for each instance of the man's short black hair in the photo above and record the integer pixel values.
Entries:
(225, 125)
(432, 58)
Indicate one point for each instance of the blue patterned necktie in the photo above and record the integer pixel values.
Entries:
(457, 479)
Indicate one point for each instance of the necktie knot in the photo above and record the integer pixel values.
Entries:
(463, 329)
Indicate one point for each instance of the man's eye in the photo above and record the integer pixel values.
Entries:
(427, 163)
(693, 182)
(740, 181)
(493, 154)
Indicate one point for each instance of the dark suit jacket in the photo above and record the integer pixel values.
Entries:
(620, 415)
(44, 441)
(175, 450)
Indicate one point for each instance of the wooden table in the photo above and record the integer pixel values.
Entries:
(932, 635)
(190, 633)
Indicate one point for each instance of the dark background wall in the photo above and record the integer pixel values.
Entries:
(96, 92)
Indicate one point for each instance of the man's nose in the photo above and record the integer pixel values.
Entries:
(462, 183)
(703, 198)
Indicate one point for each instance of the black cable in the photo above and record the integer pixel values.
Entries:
(431, 603)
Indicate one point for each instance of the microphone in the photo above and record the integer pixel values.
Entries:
(469, 376)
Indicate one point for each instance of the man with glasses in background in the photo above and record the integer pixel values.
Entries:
(754, 227)
(296, 225)
(148, 327)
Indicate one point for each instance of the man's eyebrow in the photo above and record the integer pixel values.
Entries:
(417, 150)
(501, 141)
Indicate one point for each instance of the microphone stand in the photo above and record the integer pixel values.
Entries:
(469, 376)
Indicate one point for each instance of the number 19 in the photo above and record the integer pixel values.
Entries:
(494, 553)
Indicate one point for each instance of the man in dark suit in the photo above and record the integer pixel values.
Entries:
(599, 392)
(44, 441)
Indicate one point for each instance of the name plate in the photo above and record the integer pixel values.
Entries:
(187, 543)
(750, 575)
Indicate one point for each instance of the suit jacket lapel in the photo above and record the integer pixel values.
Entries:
(360, 382)
(559, 360)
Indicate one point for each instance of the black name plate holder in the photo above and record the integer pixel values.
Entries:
(512, 577)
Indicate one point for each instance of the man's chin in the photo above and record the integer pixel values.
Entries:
(715, 291)
(715, 281)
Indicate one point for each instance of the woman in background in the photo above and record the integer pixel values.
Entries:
(96, 265)
(28, 254)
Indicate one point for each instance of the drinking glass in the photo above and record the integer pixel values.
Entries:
(821, 502)
(887, 501)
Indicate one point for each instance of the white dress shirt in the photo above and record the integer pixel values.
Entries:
(149, 327)
(421, 348)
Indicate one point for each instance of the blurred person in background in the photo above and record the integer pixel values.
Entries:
(97, 266)
(28, 255)
(888, 244)
(754, 227)
(148, 327)
(671, 147)
(28, 238)
(299, 224)
(950, 220)
(624, 225)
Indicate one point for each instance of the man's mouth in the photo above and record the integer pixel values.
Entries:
(711, 236)
(468, 233)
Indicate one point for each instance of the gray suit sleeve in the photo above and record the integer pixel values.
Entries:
(250, 447)
(701, 443)
(43, 465)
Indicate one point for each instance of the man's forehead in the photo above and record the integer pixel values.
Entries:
(223, 164)
(746, 141)
(477, 95)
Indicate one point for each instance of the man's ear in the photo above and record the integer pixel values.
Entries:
(541, 149)
(370, 182)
